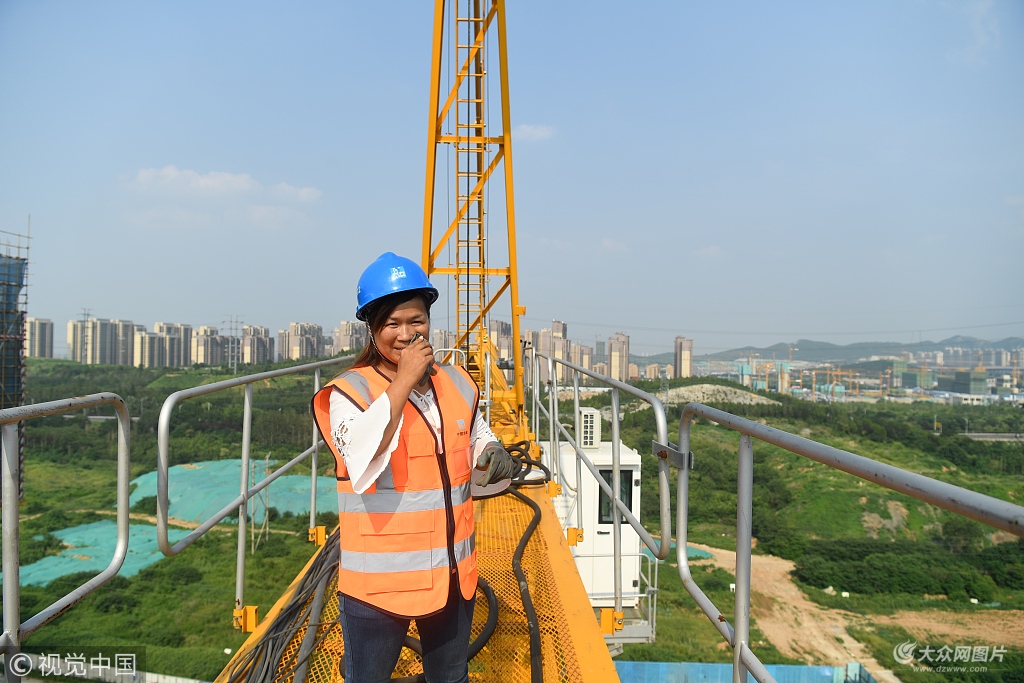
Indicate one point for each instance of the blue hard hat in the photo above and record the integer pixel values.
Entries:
(390, 274)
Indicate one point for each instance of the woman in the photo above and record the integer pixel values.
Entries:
(405, 433)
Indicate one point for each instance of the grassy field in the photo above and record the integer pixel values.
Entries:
(180, 608)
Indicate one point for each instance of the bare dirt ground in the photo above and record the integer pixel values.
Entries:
(1006, 627)
(183, 523)
(798, 627)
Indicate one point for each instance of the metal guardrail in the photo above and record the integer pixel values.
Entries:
(14, 630)
(977, 506)
(661, 550)
(245, 492)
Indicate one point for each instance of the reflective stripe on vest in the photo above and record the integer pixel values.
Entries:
(384, 502)
(406, 561)
(400, 536)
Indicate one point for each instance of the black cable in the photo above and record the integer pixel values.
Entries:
(308, 640)
(261, 662)
(536, 663)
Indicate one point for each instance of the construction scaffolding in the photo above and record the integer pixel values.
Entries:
(13, 305)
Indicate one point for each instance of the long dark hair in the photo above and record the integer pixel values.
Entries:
(377, 313)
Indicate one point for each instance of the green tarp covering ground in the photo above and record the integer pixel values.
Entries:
(198, 491)
(90, 549)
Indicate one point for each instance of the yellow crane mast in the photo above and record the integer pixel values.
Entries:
(462, 127)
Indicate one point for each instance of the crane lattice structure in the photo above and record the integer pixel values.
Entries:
(462, 126)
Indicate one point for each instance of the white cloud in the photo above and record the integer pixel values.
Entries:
(214, 183)
(185, 182)
(299, 194)
(529, 132)
(984, 28)
(174, 198)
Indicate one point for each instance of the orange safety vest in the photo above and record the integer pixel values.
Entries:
(404, 538)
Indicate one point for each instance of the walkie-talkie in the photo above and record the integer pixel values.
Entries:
(426, 376)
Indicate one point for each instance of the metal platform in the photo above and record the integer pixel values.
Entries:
(573, 649)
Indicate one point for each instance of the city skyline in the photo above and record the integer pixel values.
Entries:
(350, 334)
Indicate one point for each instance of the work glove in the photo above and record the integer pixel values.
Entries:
(493, 465)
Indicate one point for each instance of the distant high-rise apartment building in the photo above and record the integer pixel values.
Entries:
(559, 330)
(633, 371)
(38, 338)
(601, 369)
(149, 349)
(683, 365)
(98, 341)
(500, 333)
(618, 356)
(532, 338)
(441, 339)
(168, 345)
(123, 352)
(581, 355)
(76, 341)
(351, 335)
(178, 342)
(301, 340)
(257, 345)
(599, 356)
(209, 347)
(652, 371)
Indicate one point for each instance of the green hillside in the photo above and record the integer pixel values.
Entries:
(886, 548)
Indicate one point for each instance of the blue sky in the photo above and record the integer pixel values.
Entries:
(738, 172)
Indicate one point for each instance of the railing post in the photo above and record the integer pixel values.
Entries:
(535, 367)
(616, 515)
(744, 504)
(315, 457)
(552, 418)
(556, 434)
(579, 464)
(240, 561)
(487, 385)
(11, 547)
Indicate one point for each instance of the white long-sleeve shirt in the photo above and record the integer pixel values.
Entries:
(357, 434)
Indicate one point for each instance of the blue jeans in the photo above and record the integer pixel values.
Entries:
(373, 640)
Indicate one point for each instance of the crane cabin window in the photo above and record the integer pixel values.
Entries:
(604, 513)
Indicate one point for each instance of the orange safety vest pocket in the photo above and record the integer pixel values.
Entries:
(461, 459)
(390, 523)
(392, 583)
(420, 463)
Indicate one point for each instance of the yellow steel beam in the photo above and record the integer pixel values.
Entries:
(472, 270)
(474, 195)
(479, 317)
(464, 69)
(513, 259)
(433, 131)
